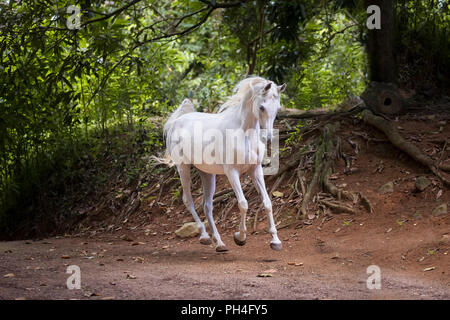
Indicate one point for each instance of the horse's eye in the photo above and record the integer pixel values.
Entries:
(262, 108)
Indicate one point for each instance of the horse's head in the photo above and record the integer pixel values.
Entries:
(266, 105)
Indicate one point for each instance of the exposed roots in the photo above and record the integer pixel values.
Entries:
(397, 140)
(337, 207)
(327, 152)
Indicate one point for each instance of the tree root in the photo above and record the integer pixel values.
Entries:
(336, 192)
(323, 159)
(338, 208)
(397, 140)
(319, 113)
(366, 203)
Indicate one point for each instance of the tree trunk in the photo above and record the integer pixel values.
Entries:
(380, 44)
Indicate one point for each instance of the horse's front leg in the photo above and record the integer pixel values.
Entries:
(233, 176)
(257, 176)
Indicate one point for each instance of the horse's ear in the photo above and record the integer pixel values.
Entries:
(267, 87)
(282, 87)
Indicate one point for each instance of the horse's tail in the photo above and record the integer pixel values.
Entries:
(185, 107)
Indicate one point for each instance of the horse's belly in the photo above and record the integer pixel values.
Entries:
(210, 168)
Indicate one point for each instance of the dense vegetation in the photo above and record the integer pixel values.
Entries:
(63, 89)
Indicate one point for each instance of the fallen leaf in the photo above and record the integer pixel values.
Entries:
(130, 276)
(9, 275)
(91, 294)
(277, 194)
(429, 269)
(264, 275)
(65, 256)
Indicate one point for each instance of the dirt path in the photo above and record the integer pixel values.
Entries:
(158, 267)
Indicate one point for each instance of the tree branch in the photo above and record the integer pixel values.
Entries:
(111, 14)
(215, 5)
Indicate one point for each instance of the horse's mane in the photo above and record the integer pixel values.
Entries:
(240, 91)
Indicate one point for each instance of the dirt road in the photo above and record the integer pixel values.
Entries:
(314, 264)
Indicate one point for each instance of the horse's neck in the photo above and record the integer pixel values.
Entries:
(247, 117)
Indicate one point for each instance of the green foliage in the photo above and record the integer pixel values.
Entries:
(423, 42)
(335, 69)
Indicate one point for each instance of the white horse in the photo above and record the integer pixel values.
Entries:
(253, 106)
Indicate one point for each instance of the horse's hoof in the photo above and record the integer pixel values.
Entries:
(239, 242)
(221, 249)
(205, 241)
(276, 246)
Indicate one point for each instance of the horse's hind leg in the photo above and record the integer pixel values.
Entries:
(185, 176)
(209, 186)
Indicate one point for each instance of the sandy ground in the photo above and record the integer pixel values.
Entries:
(330, 265)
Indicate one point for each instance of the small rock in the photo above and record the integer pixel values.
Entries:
(440, 210)
(422, 183)
(387, 188)
(187, 230)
